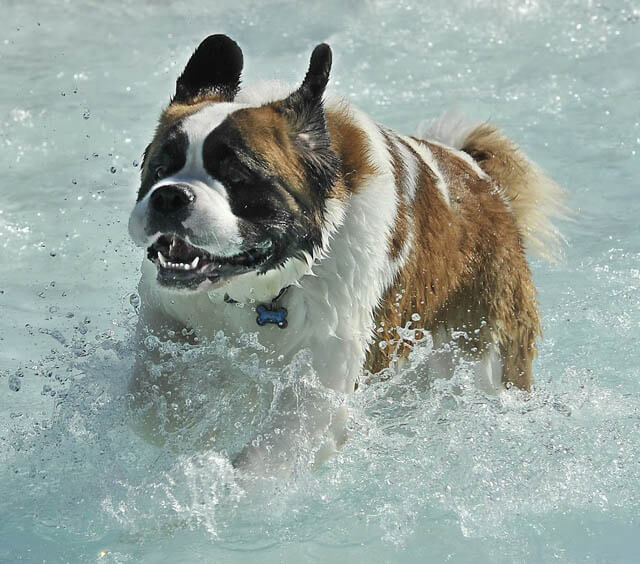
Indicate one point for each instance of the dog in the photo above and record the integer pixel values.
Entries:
(338, 236)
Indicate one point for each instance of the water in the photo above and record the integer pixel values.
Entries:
(432, 472)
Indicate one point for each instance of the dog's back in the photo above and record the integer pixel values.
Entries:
(478, 202)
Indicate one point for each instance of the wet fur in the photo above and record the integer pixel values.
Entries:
(376, 231)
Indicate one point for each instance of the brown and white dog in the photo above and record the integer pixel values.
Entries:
(296, 203)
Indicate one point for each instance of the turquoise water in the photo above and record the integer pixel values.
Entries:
(433, 471)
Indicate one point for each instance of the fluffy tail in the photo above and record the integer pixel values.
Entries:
(535, 199)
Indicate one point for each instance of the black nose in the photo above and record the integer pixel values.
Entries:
(172, 198)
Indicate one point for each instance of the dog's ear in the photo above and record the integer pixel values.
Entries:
(317, 76)
(214, 67)
(305, 112)
(304, 106)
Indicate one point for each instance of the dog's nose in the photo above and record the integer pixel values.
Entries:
(172, 198)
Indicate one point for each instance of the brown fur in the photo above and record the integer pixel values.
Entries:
(400, 231)
(350, 144)
(466, 270)
(534, 198)
(266, 133)
(468, 267)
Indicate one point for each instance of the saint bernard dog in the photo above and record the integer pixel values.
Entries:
(337, 236)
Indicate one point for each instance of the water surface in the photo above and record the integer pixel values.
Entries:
(432, 472)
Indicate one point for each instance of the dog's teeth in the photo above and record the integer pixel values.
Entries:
(172, 245)
(195, 262)
(163, 261)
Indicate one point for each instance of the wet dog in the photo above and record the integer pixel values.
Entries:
(340, 236)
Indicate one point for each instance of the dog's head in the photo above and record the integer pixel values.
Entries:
(232, 193)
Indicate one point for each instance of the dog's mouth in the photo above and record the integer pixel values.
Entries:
(183, 265)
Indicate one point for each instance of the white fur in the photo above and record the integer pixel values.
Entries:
(463, 156)
(427, 156)
(212, 213)
(451, 129)
(260, 93)
(412, 171)
(198, 126)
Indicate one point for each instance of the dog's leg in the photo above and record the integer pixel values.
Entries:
(309, 425)
(518, 362)
(305, 432)
(150, 387)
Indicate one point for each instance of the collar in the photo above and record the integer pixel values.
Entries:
(270, 312)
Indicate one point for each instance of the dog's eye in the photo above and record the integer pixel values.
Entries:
(233, 171)
(160, 172)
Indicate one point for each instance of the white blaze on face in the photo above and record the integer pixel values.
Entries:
(197, 127)
(212, 223)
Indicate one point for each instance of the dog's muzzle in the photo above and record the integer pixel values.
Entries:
(171, 199)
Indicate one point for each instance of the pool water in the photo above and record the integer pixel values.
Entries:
(434, 471)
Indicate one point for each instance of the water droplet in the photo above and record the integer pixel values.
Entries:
(14, 383)
(86, 114)
(113, 169)
(415, 317)
(382, 345)
(134, 300)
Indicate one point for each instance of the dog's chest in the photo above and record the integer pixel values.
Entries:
(329, 314)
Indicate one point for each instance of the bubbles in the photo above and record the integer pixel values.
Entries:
(432, 470)
(420, 456)
(14, 383)
(134, 300)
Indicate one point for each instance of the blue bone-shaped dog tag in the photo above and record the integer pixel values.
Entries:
(277, 316)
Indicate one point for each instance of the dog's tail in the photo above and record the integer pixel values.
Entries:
(534, 197)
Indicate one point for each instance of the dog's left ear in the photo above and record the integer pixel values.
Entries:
(304, 106)
(214, 67)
